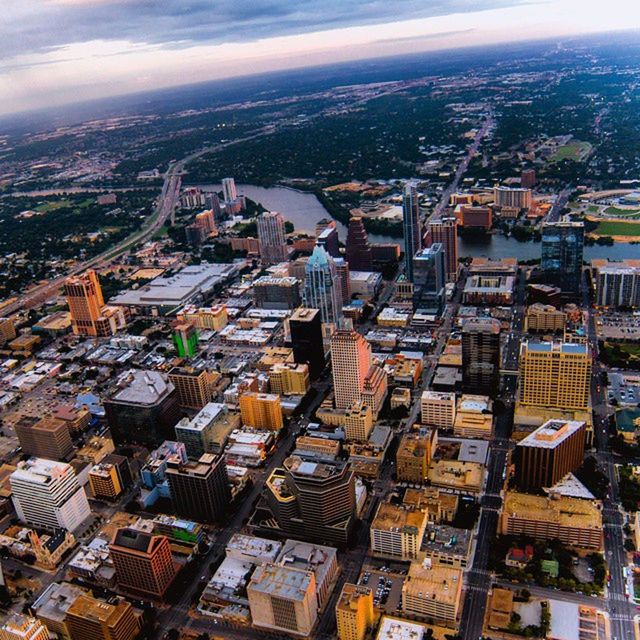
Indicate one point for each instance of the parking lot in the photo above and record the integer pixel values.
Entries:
(386, 586)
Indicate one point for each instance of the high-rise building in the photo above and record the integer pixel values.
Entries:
(47, 437)
(327, 237)
(414, 455)
(47, 494)
(411, 227)
(7, 330)
(548, 454)
(358, 249)
(528, 178)
(618, 285)
(555, 375)
(229, 191)
(305, 326)
(544, 318)
(91, 619)
(289, 379)
(212, 202)
(322, 287)
(344, 275)
(261, 411)
(350, 365)
(145, 410)
(185, 339)
(104, 481)
(194, 387)
(273, 292)
(143, 562)
(429, 278)
(438, 408)
(312, 501)
(199, 490)
(481, 355)
(284, 599)
(512, 198)
(20, 627)
(84, 297)
(272, 238)
(562, 252)
(444, 231)
(354, 612)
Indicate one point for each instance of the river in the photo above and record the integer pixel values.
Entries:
(304, 210)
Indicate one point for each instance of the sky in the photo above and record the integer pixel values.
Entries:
(56, 52)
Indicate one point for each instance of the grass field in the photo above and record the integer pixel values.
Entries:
(622, 213)
(576, 151)
(618, 228)
(53, 206)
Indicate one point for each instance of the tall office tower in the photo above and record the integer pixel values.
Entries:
(548, 454)
(91, 619)
(7, 330)
(261, 411)
(327, 237)
(47, 494)
(142, 562)
(313, 501)
(429, 278)
(185, 339)
(342, 268)
(481, 355)
(212, 202)
(229, 191)
(47, 437)
(354, 612)
(199, 490)
(272, 239)
(528, 178)
(411, 227)
(555, 375)
(283, 598)
(145, 410)
(445, 231)
(84, 297)
(21, 627)
(358, 247)
(322, 287)
(306, 339)
(562, 249)
(194, 387)
(350, 364)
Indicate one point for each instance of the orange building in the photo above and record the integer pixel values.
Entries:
(84, 297)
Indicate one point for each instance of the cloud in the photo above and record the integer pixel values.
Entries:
(36, 26)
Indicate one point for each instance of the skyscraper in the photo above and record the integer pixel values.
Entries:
(481, 355)
(555, 375)
(47, 494)
(411, 227)
(350, 364)
(429, 278)
(229, 191)
(327, 237)
(84, 297)
(313, 501)
(261, 411)
(358, 247)
(143, 562)
(322, 287)
(199, 490)
(272, 239)
(562, 250)
(306, 339)
(185, 338)
(445, 231)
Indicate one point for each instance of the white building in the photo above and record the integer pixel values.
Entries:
(438, 408)
(47, 494)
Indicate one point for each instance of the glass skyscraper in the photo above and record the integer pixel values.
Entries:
(322, 286)
(429, 277)
(410, 227)
(562, 249)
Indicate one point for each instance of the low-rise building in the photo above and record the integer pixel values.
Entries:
(474, 417)
(446, 546)
(573, 521)
(414, 455)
